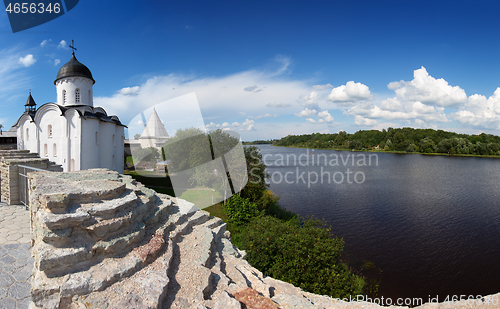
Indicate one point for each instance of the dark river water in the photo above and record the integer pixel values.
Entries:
(431, 223)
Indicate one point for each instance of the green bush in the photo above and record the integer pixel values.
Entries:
(241, 210)
(304, 255)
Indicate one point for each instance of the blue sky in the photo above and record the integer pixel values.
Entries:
(266, 69)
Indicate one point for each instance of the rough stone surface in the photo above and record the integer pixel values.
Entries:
(110, 242)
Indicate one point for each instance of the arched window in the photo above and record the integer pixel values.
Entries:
(45, 151)
(96, 138)
(49, 131)
(54, 150)
(113, 140)
(27, 134)
(77, 96)
(64, 97)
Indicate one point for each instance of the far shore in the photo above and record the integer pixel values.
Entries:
(392, 151)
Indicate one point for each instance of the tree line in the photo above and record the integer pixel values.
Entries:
(400, 140)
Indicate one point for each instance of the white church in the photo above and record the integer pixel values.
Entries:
(72, 132)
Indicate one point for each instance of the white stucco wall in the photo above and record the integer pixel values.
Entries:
(73, 141)
(70, 84)
(90, 157)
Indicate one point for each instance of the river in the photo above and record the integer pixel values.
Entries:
(431, 223)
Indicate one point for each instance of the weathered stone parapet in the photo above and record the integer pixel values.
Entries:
(102, 240)
(9, 172)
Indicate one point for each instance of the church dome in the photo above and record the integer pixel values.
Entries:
(74, 68)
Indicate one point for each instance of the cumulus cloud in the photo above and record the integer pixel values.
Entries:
(481, 112)
(428, 90)
(306, 112)
(322, 87)
(249, 125)
(350, 92)
(27, 60)
(325, 115)
(310, 100)
(63, 45)
(45, 42)
(310, 120)
(278, 104)
(130, 90)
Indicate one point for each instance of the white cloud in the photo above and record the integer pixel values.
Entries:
(350, 92)
(306, 112)
(235, 124)
(310, 100)
(391, 104)
(249, 124)
(481, 112)
(130, 90)
(45, 42)
(428, 90)
(322, 87)
(278, 104)
(310, 120)
(326, 116)
(57, 61)
(27, 60)
(63, 45)
(362, 121)
(264, 116)
(226, 125)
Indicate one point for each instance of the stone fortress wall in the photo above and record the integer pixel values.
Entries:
(103, 240)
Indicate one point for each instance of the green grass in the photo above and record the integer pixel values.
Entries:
(201, 198)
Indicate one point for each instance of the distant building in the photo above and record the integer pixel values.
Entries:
(8, 139)
(72, 132)
(154, 135)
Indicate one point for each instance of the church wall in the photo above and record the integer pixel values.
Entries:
(120, 149)
(73, 143)
(90, 147)
(51, 131)
(23, 141)
(71, 84)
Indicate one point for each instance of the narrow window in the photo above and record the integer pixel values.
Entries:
(96, 138)
(54, 150)
(49, 131)
(27, 134)
(77, 96)
(64, 97)
(45, 152)
(113, 140)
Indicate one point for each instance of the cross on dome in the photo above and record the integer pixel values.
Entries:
(72, 46)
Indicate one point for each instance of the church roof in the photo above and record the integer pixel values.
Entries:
(74, 68)
(84, 111)
(30, 101)
(154, 127)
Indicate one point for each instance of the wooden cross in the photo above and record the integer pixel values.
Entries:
(73, 46)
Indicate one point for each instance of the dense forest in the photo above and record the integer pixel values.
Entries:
(400, 140)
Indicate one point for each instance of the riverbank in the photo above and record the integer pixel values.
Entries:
(396, 152)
